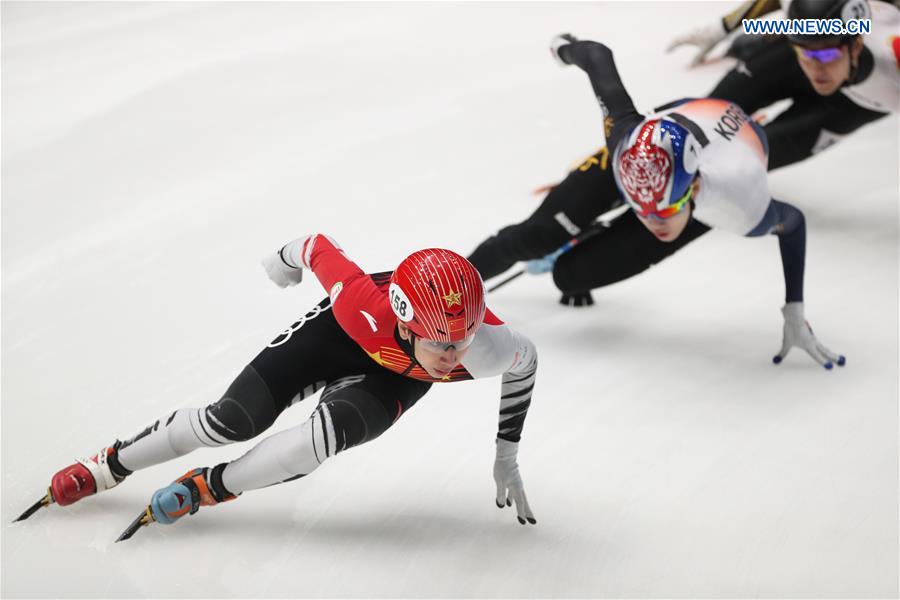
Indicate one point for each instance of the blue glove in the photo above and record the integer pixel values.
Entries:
(539, 266)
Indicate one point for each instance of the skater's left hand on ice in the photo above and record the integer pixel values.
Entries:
(797, 332)
(509, 482)
(280, 272)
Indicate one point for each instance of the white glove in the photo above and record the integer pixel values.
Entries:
(704, 38)
(509, 482)
(797, 332)
(557, 42)
(280, 272)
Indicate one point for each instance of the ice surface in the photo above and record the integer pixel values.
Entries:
(152, 153)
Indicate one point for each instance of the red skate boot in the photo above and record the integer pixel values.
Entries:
(84, 478)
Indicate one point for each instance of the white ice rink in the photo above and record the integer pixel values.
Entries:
(153, 153)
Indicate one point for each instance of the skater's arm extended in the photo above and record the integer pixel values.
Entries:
(706, 37)
(323, 256)
(499, 349)
(515, 398)
(516, 389)
(597, 61)
(515, 356)
(788, 223)
(348, 286)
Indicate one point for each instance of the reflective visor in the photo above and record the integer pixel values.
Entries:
(671, 210)
(822, 55)
(440, 347)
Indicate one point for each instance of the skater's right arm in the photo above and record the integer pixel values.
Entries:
(348, 286)
(596, 60)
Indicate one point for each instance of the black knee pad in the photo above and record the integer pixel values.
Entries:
(357, 417)
(535, 238)
(246, 410)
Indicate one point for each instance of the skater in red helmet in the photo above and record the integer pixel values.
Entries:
(373, 347)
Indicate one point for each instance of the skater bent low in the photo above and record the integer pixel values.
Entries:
(373, 347)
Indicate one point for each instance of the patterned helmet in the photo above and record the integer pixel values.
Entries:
(438, 294)
(654, 165)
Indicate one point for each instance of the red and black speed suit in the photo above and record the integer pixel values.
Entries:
(348, 344)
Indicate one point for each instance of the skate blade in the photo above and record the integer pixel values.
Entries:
(47, 500)
(145, 518)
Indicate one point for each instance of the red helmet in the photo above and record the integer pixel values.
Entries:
(438, 294)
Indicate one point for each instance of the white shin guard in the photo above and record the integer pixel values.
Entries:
(286, 455)
(183, 431)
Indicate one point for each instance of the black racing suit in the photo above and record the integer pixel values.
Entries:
(627, 248)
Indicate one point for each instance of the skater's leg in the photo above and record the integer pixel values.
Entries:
(353, 410)
(568, 208)
(810, 126)
(246, 409)
(623, 251)
(292, 366)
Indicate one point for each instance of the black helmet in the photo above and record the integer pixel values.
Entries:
(827, 9)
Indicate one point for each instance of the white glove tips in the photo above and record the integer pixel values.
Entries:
(559, 41)
(797, 332)
(280, 272)
(704, 38)
(509, 482)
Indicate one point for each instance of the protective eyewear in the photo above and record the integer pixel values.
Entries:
(439, 347)
(822, 55)
(672, 209)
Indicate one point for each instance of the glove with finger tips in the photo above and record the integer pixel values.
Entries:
(563, 39)
(280, 272)
(510, 488)
(798, 333)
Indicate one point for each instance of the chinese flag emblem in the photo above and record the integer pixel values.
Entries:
(457, 325)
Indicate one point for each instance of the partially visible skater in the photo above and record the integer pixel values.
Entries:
(373, 347)
(837, 82)
(691, 165)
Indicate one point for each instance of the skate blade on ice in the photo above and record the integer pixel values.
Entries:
(145, 518)
(47, 500)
